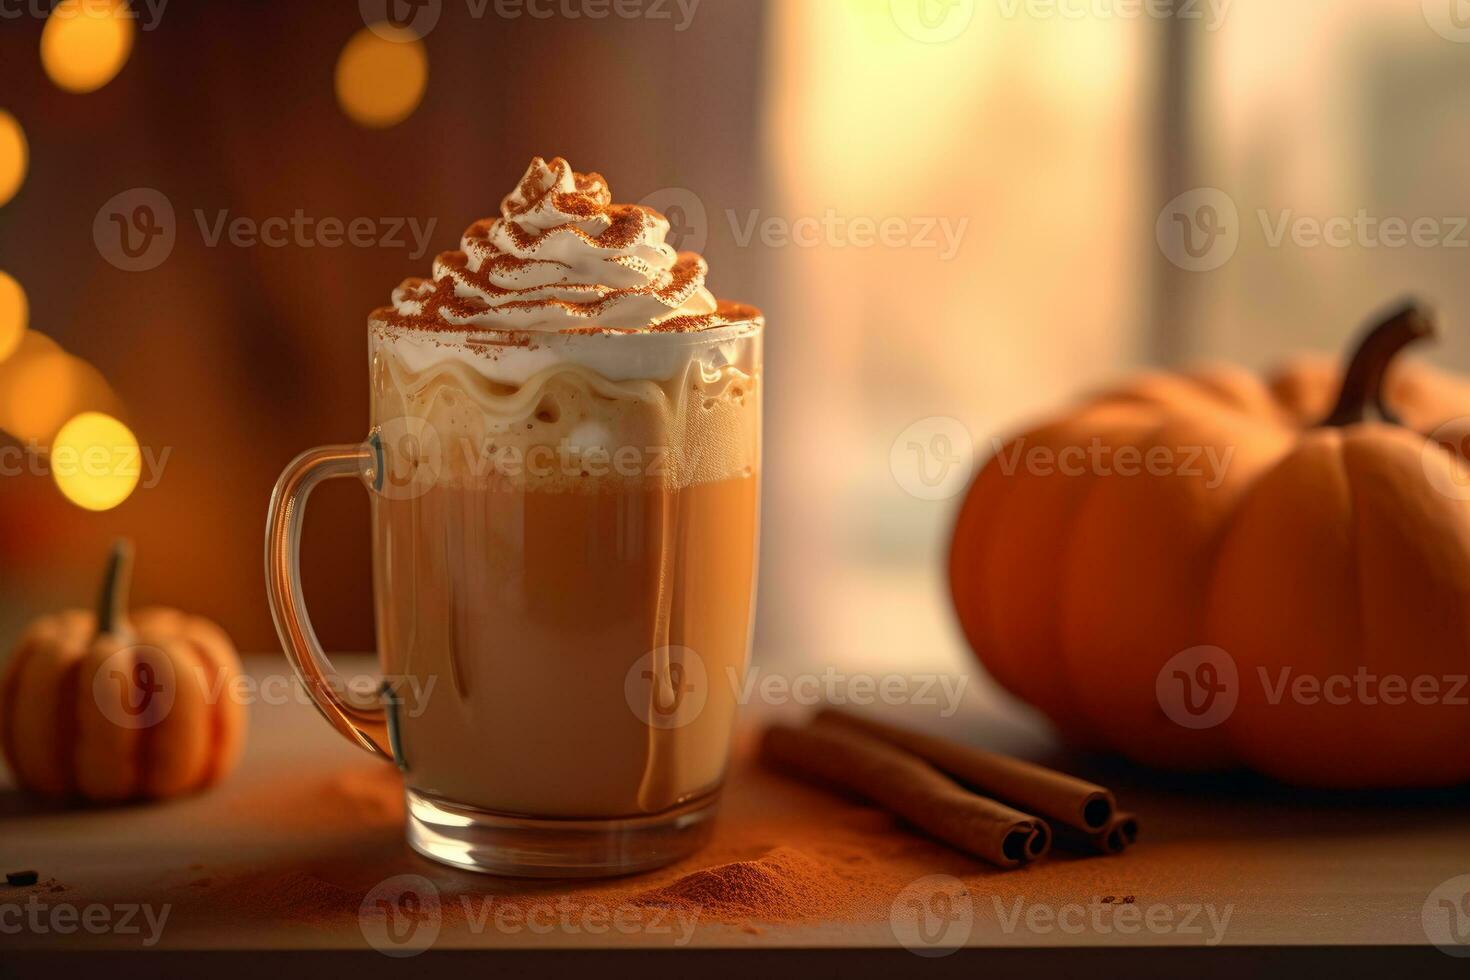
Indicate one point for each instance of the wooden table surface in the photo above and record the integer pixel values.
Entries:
(308, 821)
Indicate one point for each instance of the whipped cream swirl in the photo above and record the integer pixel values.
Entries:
(563, 257)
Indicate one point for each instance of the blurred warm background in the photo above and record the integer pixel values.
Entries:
(1018, 155)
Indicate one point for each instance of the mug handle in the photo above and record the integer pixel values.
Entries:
(365, 727)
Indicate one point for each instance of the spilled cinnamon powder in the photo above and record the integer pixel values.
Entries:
(784, 884)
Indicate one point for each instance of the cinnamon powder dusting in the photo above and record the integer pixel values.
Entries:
(782, 854)
(784, 884)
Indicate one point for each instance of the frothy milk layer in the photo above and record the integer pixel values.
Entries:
(573, 412)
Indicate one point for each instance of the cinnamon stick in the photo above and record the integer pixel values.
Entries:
(1120, 834)
(1063, 800)
(909, 787)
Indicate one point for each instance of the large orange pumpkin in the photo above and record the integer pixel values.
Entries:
(115, 706)
(1305, 559)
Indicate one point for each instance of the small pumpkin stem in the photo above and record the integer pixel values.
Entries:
(1362, 386)
(112, 604)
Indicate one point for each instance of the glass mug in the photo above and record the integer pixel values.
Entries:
(564, 554)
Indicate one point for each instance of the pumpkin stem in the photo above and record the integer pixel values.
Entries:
(1362, 386)
(112, 605)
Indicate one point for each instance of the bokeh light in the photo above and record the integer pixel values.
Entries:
(14, 315)
(14, 156)
(86, 43)
(381, 75)
(41, 386)
(41, 396)
(95, 461)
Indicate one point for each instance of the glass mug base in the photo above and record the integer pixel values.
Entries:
(524, 847)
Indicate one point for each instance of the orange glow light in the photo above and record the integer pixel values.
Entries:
(14, 315)
(381, 76)
(41, 397)
(86, 43)
(14, 156)
(95, 461)
(41, 386)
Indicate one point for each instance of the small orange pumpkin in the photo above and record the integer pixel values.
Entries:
(1308, 539)
(110, 707)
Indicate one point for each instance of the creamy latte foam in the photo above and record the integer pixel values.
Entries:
(570, 426)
